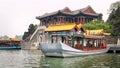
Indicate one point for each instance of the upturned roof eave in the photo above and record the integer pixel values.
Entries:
(40, 17)
(69, 13)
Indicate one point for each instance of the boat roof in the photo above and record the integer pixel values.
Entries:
(10, 39)
(72, 26)
(61, 27)
(80, 26)
(64, 27)
(4, 40)
(97, 32)
(14, 39)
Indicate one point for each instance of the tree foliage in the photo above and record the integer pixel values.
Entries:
(114, 6)
(96, 24)
(114, 18)
(31, 30)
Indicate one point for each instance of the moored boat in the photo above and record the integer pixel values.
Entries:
(69, 40)
(10, 44)
(63, 50)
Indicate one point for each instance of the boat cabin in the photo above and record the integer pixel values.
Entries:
(10, 42)
(75, 36)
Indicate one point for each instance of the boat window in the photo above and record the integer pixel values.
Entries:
(54, 39)
(59, 39)
(69, 42)
(79, 40)
(63, 38)
(90, 42)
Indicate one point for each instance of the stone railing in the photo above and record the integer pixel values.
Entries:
(112, 39)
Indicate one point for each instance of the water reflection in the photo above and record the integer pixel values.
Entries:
(75, 62)
(94, 61)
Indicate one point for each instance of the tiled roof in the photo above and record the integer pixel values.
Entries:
(97, 32)
(61, 27)
(2, 40)
(69, 13)
(14, 39)
(80, 26)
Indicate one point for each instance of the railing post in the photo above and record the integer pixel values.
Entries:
(72, 41)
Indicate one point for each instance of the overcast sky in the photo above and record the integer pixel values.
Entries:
(16, 15)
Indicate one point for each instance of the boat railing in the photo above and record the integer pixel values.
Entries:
(90, 47)
(78, 46)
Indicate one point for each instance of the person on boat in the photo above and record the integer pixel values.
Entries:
(88, 44)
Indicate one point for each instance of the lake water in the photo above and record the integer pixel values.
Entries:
(35, 59)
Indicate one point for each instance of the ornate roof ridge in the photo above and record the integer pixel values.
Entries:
(70, 12)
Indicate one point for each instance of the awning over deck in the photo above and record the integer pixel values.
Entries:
(3, 40)
(61, 27)
(14, 39)
(65, 27)
(100, 31)
(97, 32)
(72, 26)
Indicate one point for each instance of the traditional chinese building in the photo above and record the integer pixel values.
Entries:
(65, 15)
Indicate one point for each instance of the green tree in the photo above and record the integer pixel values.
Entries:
(114, 18)
(31, 30)
(114, 6)
(96, 24)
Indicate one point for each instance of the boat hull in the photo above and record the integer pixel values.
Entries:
(63, 50)
(10, 48)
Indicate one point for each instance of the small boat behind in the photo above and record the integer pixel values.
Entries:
(10, 44)
(70, 40)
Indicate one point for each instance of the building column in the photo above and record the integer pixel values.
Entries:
(68, 20)
(41, 22)
(86, 20)
(83, 19)
(62, 19)
(59, 20)
(73, 20)
(78, 21)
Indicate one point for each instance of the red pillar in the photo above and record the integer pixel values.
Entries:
(81, 20)
(60, 19)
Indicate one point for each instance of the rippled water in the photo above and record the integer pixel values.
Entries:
(19, 58)
(34, 59)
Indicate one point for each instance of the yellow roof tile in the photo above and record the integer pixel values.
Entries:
(14, 39)
(100, 31)
(107, 33)
(61, 27)
(2, 40)
(80, 26)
